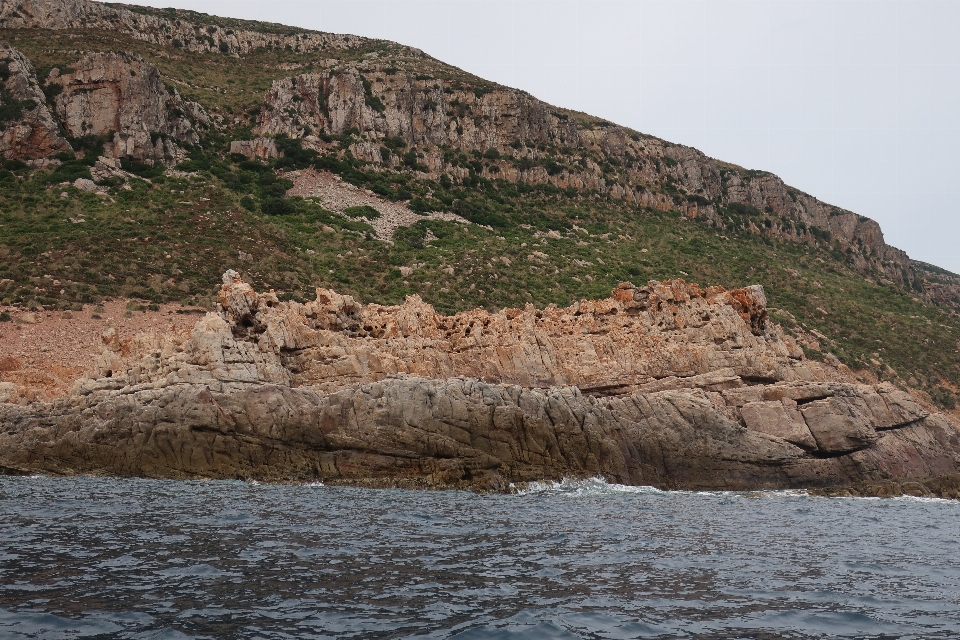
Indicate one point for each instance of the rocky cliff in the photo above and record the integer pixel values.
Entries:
(186, 30)
(665, 384)
(121, 95)
(454, 124)
(498, 132)
(495, 132)
(29, 130)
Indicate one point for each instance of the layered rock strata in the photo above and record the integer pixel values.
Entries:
(666, 384)
(535, 143)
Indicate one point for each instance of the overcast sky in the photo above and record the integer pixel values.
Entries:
(853, 101)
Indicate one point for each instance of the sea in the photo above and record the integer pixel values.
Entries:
(153, 559)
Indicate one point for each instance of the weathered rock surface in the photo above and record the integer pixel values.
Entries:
(436, 116)
(166, 27)
(665, 384)
(34, 133)
(121, 94)
(256, 148)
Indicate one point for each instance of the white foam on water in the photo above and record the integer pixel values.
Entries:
(598, 486)
(584, 487)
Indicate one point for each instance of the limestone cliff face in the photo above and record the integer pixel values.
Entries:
(32, 133)
(182, 29)
(939, 286)
(537, 144)
(665, 384)
(121, 94)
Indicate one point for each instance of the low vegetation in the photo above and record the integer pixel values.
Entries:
(169, 239)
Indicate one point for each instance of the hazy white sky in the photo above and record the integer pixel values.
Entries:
(853, 101)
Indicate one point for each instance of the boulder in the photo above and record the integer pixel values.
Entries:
(263, 148)
(7, 391)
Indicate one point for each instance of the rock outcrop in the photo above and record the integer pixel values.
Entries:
(27, 128)
(468, 129)
(665, 384)
(120, 94)
(263, 148)
(181, 29)
(525, 140)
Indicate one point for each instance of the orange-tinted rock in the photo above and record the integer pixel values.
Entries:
(666, 384)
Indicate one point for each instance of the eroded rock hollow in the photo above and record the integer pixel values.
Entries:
(665, 384)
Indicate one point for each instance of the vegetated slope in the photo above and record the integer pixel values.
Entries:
(564, 206)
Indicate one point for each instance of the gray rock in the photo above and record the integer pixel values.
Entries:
(839, 425)
(7, 391)
(84, 184)
(780, 419)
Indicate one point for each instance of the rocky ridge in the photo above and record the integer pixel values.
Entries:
(186, 30)
(666, 384)
(464, 129)
(534, 142)
(507, 133)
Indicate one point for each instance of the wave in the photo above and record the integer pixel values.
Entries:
(598, 486)
(582, 487)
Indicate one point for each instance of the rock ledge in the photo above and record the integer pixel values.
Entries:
(665, 384)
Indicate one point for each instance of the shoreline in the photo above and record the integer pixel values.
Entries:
(667, 385)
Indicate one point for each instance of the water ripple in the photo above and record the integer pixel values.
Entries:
(109, 558)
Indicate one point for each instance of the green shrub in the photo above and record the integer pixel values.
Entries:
(12, 109)
(491, 154)
(394, 143)
(744, 209)
(142, 169)
(70, 171)
(276, 207)
(421, 206)
(362, 212)
(5, 317)
(944, 398)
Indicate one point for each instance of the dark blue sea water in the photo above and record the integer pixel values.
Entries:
(108, 558)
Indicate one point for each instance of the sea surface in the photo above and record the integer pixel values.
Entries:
(120, 558)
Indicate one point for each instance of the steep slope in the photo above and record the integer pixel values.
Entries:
(532, 203)
(522, 139)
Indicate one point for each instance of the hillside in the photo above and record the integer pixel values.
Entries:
(147, 151)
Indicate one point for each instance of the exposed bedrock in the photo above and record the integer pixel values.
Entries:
(666, 384)
(27, 129)
(123, 96)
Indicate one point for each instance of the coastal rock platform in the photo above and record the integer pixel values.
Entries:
(665, 384)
